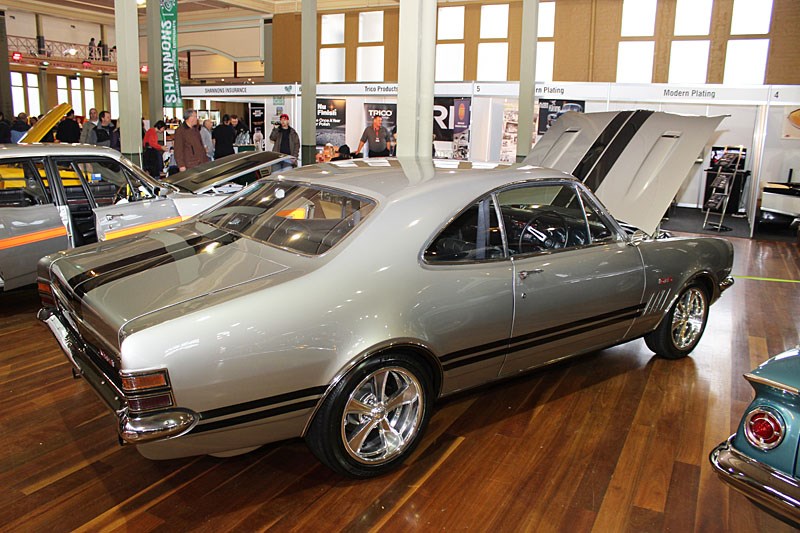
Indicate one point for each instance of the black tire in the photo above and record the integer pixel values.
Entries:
(682, 327)
(348, 433)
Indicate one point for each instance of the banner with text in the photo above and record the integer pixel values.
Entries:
(386, 111)
(461, 128)
(550, 110)
(331, 122)
(170, 75)
(257, 119)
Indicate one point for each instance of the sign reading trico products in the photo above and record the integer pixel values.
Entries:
(170, 76)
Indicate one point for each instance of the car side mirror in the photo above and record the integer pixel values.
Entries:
(638, 237)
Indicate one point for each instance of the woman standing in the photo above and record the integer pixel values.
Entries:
(152, 159)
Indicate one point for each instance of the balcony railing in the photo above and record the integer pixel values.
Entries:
(70, 55)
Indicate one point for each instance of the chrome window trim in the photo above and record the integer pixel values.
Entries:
(753, 378)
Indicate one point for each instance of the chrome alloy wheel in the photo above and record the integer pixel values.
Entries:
(382, 415)
(688, 318)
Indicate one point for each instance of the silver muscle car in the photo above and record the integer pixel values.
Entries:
(58, 196)
(339, 301)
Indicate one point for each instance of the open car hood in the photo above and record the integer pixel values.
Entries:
(634, 161)
(203, 178)
(49, 121)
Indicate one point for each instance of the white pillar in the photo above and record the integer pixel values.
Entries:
(130, 89)
(415, 76)
(308, 78)
(527, 77)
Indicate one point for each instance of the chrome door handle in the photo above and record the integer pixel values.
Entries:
(523, 274)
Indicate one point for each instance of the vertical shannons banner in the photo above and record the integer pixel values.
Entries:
(170, 75)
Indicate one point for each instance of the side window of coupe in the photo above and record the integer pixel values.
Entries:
(110, 182)
(599, 228)
(21, 185)
(541, 218)
(474, 235)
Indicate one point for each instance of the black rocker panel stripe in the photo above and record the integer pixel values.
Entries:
(263, 402)
(541, 337)
(258, 415)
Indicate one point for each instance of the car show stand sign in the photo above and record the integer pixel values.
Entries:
(170, 77)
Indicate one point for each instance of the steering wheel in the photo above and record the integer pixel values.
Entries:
(547, 239)
(119, 194)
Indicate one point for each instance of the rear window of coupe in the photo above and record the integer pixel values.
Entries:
(300, 218)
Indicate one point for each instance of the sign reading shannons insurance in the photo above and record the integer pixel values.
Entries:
(170, 76)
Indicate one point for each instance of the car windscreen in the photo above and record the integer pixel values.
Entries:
(301, 218)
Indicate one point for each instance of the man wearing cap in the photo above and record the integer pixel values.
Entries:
(285, 138)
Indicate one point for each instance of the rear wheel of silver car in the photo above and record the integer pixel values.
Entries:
(682, 328)
(374, 417)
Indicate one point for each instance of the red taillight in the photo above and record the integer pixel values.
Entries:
(150, 403)
(764, 428)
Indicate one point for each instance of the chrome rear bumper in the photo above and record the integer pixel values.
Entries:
(133, 428)
(763, 484)
(726, 283)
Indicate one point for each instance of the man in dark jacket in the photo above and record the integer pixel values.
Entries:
(101, 134)
(19, 127)
(285, 138)
(189, 151)
(68, 129)
(223, 137)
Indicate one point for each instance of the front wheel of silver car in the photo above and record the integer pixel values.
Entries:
(374, 417)
(683, 326)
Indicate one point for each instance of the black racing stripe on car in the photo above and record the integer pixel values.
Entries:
(120, 263)
(224, 238)
(538, 342)
(537, 338)
(520, 338)
(258, 415)
(467, 351)
(603, 166)
(600, 144)
(263, 402)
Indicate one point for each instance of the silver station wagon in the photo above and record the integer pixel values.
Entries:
(339, 301)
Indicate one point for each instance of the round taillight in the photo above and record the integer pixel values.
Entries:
(764, 428)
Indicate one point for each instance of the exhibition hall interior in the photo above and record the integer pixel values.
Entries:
(399, 265)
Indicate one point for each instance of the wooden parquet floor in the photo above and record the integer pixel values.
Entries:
(616, 440)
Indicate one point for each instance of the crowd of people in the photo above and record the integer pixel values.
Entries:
(193, 142)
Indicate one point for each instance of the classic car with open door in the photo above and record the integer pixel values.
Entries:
(58, 196)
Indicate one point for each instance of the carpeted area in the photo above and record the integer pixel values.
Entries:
(690, 220)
